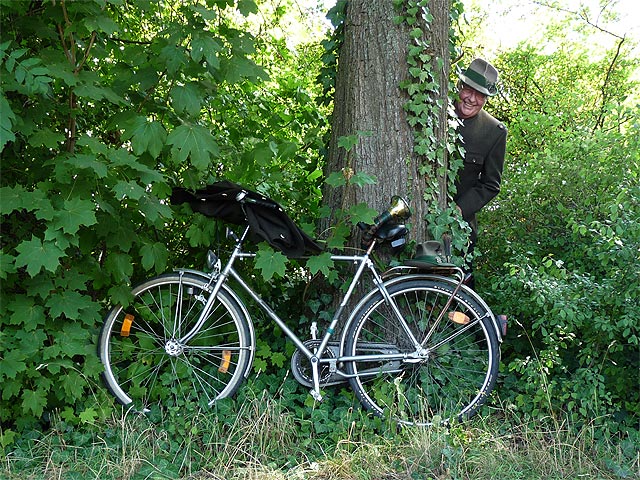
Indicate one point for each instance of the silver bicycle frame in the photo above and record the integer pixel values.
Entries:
(362, 261)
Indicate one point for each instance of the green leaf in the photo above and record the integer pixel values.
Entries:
(89, 415)
(348, 141)
(7, 119)
(270, 262)
(247, 6)
(12, 363)
(26, 313)
(336, 179)
(155, 255)
(102, 23)
(120, 266)
(186, 98)
(77, 212)
(12, 198)
(320, 263)
(98, 93)
(278, 359)
(69, 303)
(360, 179)
(195, 142)
(203, 46)
(155, 212)
(34, 401)
(46, 138)
(146, 136)
(36, 255)
(362, 213)
(130, 189)
(89, 162)
(73, 385)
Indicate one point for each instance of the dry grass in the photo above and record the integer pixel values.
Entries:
(264, 442)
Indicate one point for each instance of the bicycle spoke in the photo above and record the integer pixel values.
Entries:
(146, 361)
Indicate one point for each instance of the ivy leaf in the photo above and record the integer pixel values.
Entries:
(33, 401)
(195, 142)
(77, 212)
(270, 262)
(36, 255)
(154, 255)
(320, 263)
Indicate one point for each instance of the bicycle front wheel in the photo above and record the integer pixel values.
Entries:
(445, 372)
(147, 362)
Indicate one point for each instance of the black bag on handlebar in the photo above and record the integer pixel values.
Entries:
(267, 220)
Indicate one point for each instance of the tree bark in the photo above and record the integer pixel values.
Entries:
(368, 99)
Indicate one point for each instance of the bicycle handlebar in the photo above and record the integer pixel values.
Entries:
(243, 197)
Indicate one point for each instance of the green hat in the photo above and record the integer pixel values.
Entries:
(481, 76)
(430, 253)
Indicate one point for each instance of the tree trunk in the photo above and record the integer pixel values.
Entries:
(369, 101)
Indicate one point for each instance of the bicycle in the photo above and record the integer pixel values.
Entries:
(420, 347)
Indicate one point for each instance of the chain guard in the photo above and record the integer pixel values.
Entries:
(301, 367)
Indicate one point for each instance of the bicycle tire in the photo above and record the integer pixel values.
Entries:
(145, 364)
(455, 374)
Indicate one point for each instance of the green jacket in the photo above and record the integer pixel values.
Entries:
(484, 139)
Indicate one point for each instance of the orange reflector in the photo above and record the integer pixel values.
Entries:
(459, 318)
(126, 325)
(226, 360)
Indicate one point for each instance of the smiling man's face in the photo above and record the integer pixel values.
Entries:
(470, 103)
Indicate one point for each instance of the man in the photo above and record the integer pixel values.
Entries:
(484, 139)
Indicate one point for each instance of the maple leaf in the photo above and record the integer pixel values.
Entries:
(146, 136)
(320, 263)
(195, 142)
(76, 212)
(33, 401)
(270, 262)
(156, 254)
(36, 255)
(26, 313)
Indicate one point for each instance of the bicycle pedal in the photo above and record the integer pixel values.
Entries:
(317, 396)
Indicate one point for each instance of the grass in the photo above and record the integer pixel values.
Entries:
(263, 440)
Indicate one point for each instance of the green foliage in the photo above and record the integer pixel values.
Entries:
(566, 228)
(104, 107)
(440, 158)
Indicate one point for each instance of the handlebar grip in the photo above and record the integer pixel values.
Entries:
(243, 197)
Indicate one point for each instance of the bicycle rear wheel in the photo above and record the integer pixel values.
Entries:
(146, 361)
(448, 378)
